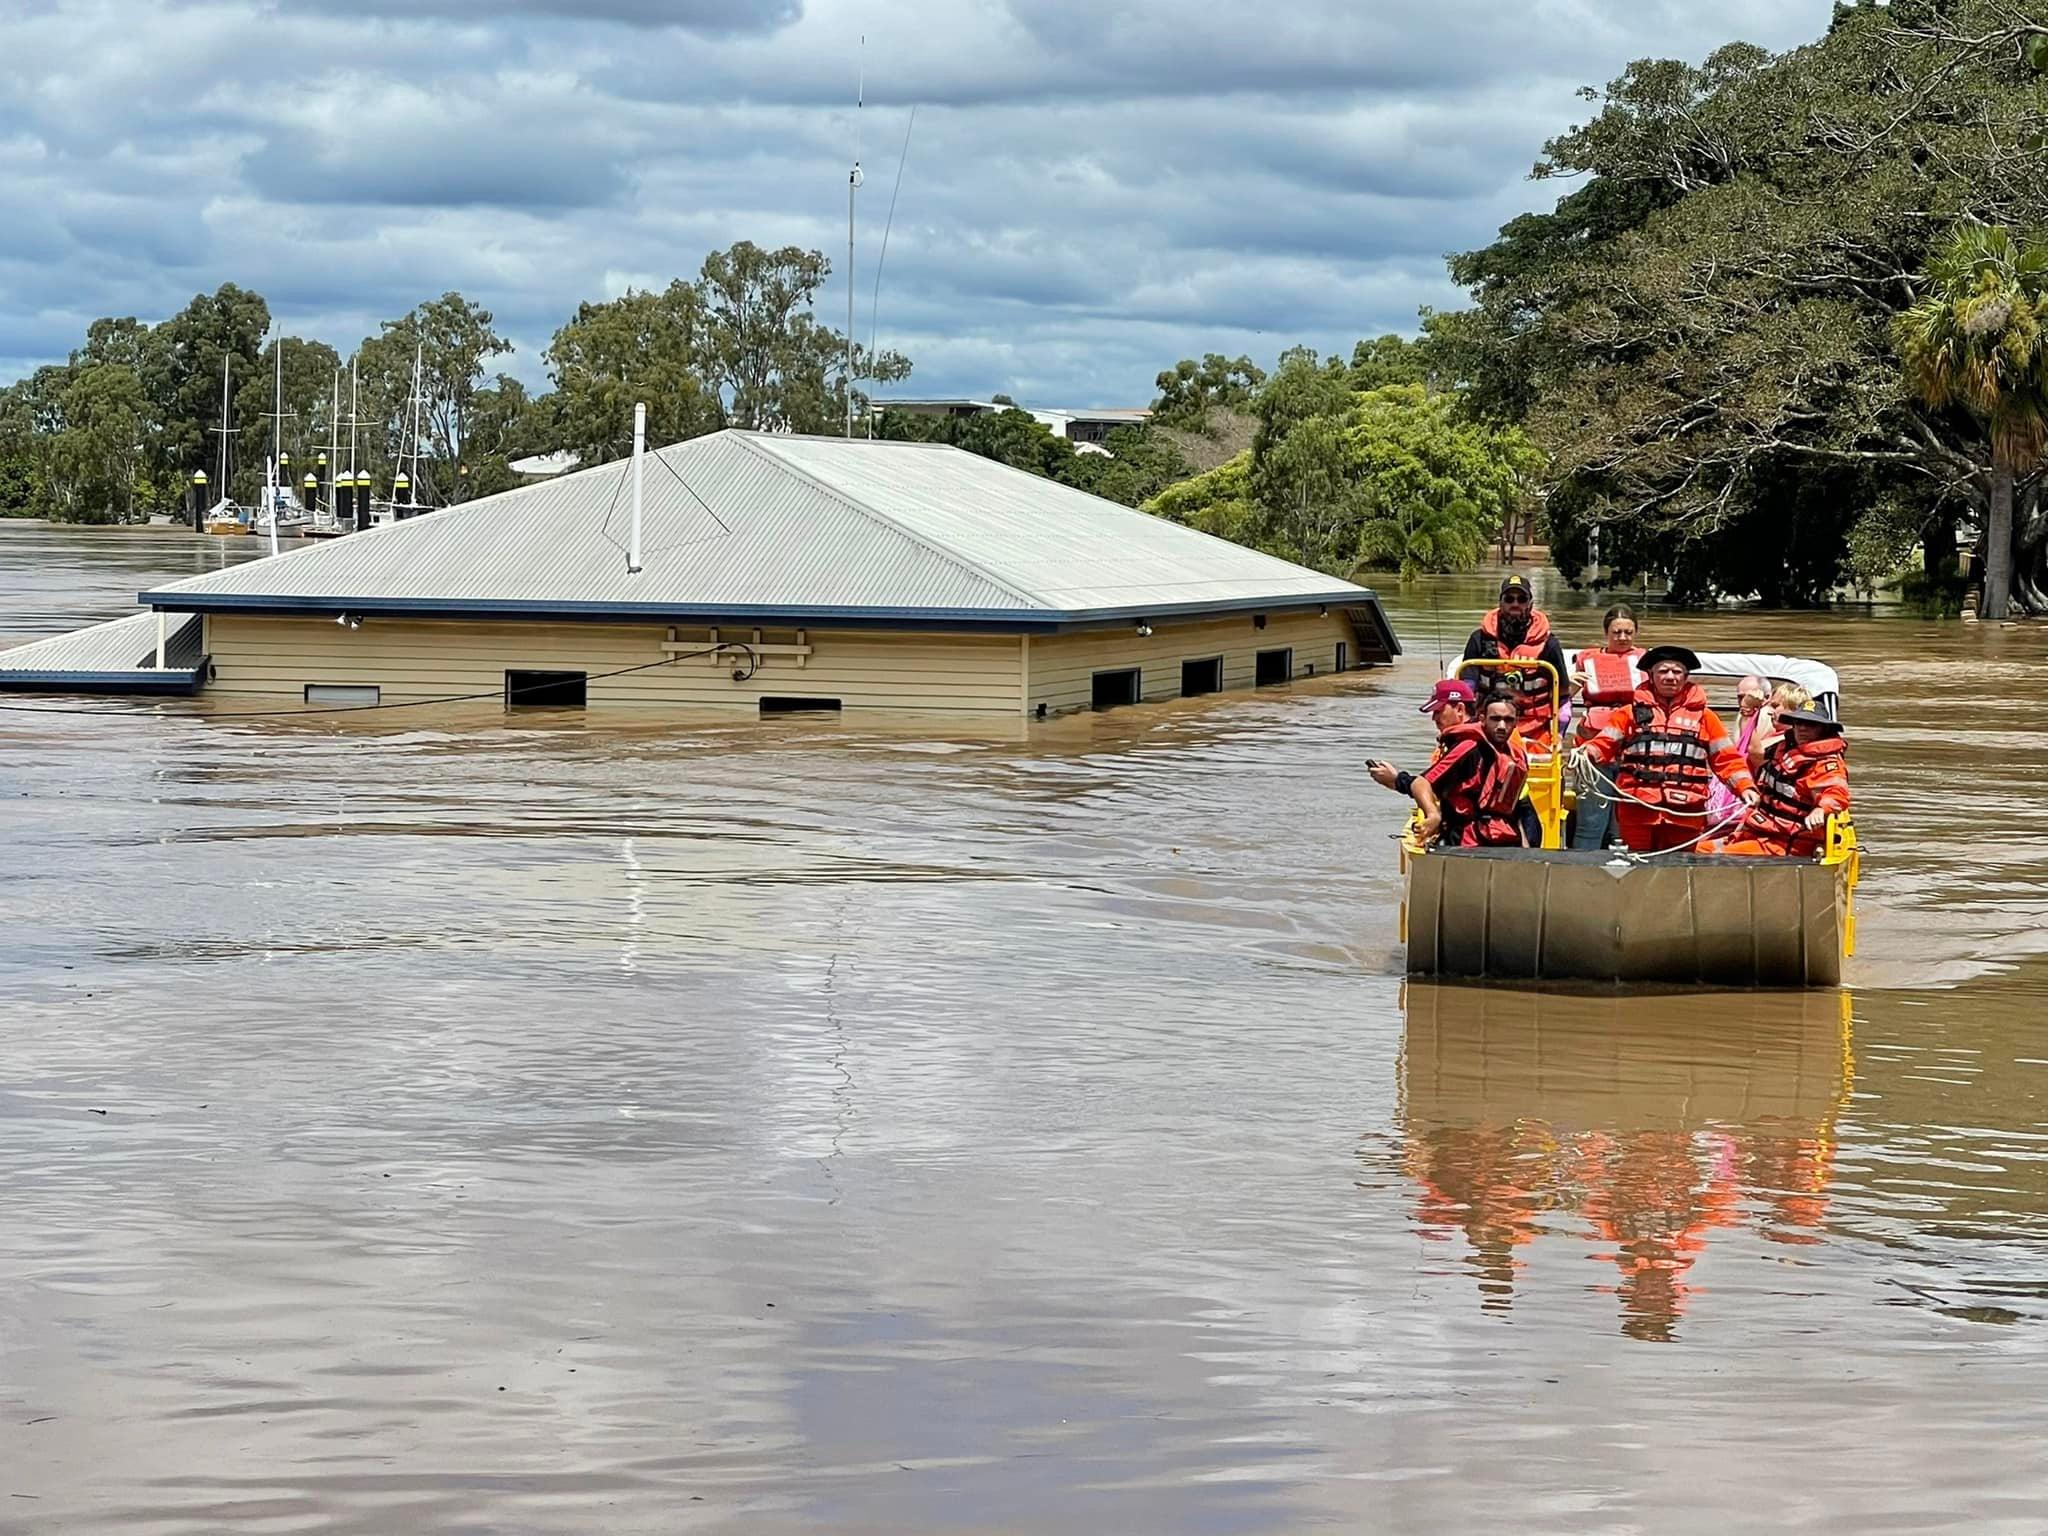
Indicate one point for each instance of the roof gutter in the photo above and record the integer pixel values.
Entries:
(1004, 621)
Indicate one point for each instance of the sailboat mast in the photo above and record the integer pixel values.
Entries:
(276, 442)
(222, 488)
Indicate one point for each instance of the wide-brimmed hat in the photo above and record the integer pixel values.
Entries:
(1451, 690)
(1678, 653)
(1809, 717)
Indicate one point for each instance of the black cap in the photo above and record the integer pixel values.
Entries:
(1678, 653)
(1808, 717)
(1515, 581)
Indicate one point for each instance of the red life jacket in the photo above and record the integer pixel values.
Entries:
(1665, 759)
(1789, 788)
(1531, 685)
(1496, 790)
(1611, 680)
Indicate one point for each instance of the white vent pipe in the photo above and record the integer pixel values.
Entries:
(639, 464)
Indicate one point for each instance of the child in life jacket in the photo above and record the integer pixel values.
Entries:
(1804, 780)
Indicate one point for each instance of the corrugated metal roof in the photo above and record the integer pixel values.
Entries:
(750, 522)
(117, 652)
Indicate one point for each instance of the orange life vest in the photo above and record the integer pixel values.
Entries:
(1790, 788)
(1497, 789)
(1531, 685)
(1665, 758)
(1612, 679)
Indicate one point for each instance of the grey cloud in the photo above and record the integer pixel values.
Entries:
(1092, 191)
(714, 18)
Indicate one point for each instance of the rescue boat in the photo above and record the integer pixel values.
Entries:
(1560, 914)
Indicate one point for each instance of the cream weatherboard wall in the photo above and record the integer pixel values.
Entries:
(416, 659)
(1061, 668)
(409, 659)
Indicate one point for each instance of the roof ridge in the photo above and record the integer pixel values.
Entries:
(950, 556)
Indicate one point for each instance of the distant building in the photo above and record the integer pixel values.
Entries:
(777, 572)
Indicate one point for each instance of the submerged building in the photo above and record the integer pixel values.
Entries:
(773, 572)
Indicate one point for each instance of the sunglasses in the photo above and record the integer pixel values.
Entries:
(1517, 599)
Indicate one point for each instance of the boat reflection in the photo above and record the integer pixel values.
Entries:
(1641, 1125)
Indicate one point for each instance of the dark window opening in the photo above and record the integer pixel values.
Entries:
(546, 690)
(774, 705)
(1343, 657)
(1273, 667)
(1199, 677)
(1115, 688)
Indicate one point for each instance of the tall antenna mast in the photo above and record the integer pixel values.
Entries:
(875, 301)
(852, 186)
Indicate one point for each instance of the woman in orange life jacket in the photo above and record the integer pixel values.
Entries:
(1518, 630)
(1667, 749)
(1470, 791)
(1607, 677)
(1804, 780)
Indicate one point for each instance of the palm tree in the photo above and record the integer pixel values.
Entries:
(1976, 339)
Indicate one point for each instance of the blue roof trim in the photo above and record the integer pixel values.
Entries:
(172, 680)
(999, 620)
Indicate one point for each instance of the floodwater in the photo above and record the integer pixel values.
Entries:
(438, 1123)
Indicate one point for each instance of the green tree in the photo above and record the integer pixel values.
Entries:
(1218, 501)
(1975, 340)
(452, 338)
(1394, 477)
(641, 347)
(775, 367)
(1189, 390)
(181, 365)
(1699, 334)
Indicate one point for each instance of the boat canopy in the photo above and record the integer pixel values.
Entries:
(1817, 678)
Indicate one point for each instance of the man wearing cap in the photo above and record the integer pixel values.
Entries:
(1805, 780)
(1517, 630)
(1667, 749)
(1469, 792)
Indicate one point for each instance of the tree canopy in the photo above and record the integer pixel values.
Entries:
(1392, 477)
(1700, 335)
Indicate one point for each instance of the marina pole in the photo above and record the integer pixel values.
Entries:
(639, 463)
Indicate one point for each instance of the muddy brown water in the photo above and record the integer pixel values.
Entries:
(438, 1123)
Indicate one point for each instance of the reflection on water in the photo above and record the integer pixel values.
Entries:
(1635, 1127)
(443, 1123)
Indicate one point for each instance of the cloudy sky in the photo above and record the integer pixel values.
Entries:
(1094, 187)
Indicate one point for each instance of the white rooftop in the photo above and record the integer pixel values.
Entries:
(743, 525)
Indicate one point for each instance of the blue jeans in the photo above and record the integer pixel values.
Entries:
(1596, 813)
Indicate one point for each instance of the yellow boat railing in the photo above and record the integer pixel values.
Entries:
(1841, 848)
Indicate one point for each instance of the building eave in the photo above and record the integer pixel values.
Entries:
(175, 681)
(1005, 621)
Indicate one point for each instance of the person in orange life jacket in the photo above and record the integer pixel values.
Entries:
(1518, 629)
(1805, 779)
(1470, 793)
(1606, 678)
(1667, 749)
(1450, 704)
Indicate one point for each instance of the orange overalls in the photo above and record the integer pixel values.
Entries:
(1666, 758)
